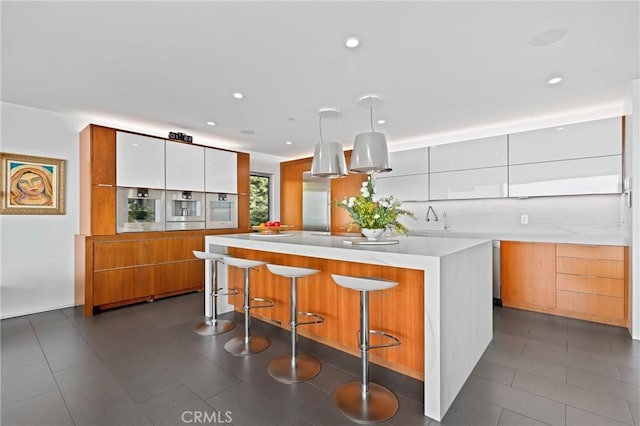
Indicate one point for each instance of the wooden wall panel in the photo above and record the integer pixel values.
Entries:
(103, 211)
(243, 191)
(340, 188)
(291, 191)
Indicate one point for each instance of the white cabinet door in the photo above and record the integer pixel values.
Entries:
(221, 171)
(184, 166)
(410, 162)
(599, 175)
(465, 184)
(473, 154)
(139, 161)
(581, 140)
(403, 188)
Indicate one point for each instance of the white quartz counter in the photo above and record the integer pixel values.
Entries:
(458, 300)
(410, 252)
(613, 239)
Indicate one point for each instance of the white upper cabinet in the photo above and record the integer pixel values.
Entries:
(139, 161)
(598, 175)
(581, 140)
(473, 154)
(221, 171)
(410, 162)
(488, 182)
(403, 188)
(184, 167)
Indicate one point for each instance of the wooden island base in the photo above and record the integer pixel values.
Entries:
(398, 311)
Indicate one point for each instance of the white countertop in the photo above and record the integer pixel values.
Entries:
(594, 239)
(410, 252)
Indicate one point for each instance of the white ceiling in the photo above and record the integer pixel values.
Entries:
(439, 66)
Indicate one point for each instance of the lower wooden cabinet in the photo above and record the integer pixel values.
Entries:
(579, 281)
(117, 271)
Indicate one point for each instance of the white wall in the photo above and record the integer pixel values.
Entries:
(36, 251)
(633, 142)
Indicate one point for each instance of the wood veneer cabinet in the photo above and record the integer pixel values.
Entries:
(117, 269)
(528, 275)
(399, 311)
(579, 281)
(291, 193)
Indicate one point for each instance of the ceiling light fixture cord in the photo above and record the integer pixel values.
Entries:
(371, 118)
(320, 125)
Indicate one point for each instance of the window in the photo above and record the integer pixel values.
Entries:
(259, 196)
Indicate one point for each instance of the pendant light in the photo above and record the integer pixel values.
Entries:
(370, 153)
(328, 157)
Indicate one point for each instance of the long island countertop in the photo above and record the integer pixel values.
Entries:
(458, 322)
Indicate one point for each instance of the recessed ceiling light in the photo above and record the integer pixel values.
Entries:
(247, 132)
(211, 123)
(559, 128)
(352, 42)
(554, 80)
(289, 143)
(547, 38)
(382, 121)
(238, 95)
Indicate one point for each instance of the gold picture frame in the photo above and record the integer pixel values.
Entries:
(31, 185)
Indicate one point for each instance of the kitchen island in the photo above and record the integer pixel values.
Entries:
(442, 308)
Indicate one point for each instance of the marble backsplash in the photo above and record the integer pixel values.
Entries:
(581, 214)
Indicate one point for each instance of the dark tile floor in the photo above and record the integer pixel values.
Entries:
(143, 365)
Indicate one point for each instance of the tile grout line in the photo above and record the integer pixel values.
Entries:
(53, 376)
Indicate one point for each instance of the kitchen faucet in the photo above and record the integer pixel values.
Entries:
(431, 210)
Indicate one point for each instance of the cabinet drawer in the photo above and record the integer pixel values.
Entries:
(588, 284)
(177, 249)
(122, 284)
(122, 254)
(590, 252)
(176, 277)
(600, 306)
(591, 267)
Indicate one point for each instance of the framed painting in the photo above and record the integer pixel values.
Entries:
(31, 185)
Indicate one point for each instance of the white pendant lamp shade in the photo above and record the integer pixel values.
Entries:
(370, 154)
(328, 160)
(328, 157)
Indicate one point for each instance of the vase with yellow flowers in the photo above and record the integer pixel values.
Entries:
(374, 215)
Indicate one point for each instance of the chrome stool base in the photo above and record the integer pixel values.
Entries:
(380, 405)
(213, 327)
(283, 371)
(239, 346)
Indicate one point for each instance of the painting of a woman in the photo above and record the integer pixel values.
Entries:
(32, 185)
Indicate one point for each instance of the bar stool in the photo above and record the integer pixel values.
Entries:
(247, 344)
(366, 402)
(212, 325)
(296, 368)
